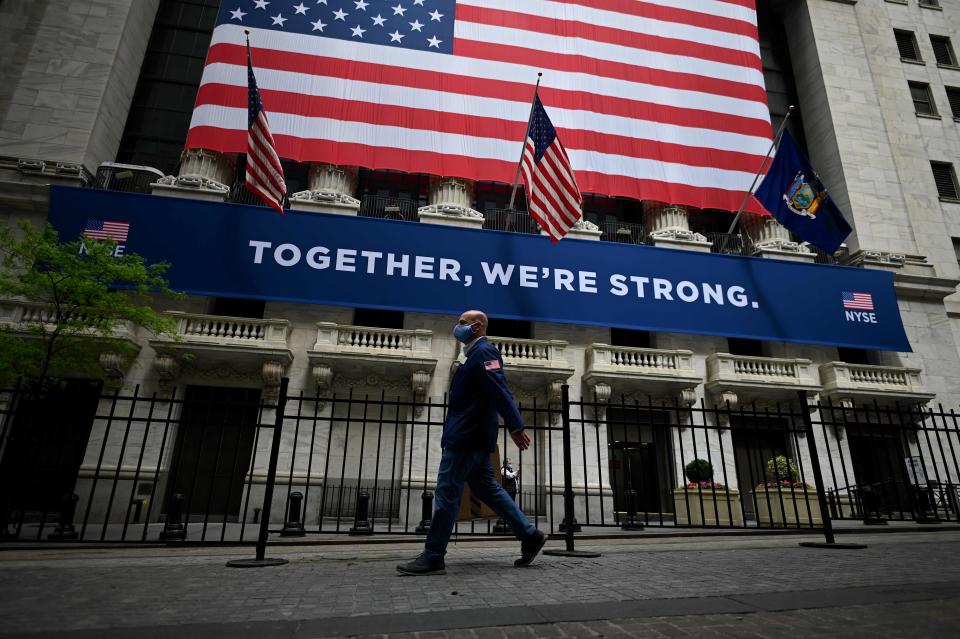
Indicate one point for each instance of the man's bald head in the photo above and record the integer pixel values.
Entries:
(475, 318)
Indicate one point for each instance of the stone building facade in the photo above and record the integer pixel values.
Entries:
(76, 76)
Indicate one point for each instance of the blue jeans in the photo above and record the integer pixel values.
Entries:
(473, 467)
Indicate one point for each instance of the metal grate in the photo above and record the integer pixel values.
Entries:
(943, 50)
(946, 179)
(907, 45)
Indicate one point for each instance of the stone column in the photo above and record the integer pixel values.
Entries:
(668, 226)
(451, 203)
(204, 175)
(331, 191)
(770, 239)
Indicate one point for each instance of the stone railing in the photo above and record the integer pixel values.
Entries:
(214, 329)
(365, 339)
(27, 315)
(839, 377)
(532, 352)
(601, 357)
(723, 367)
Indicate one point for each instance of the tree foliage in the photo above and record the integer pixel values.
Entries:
(79, 296)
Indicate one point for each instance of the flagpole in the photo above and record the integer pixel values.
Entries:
(763, 165)
(523, 148)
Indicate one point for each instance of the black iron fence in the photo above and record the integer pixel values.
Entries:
(228, 465)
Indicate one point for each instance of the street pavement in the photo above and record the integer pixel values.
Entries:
(902, 585)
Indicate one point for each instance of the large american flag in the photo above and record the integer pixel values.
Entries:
(654, 99)
(553, 198)
(264, 173)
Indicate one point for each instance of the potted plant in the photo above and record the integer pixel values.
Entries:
(704, 502)
(783, 500)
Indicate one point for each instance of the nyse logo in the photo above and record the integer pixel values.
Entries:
(861, 317)
(858, 307)
(106, 230)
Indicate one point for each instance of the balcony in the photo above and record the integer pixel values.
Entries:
(861, 383)
(744, 378)
(30, 318)
(649, 371)
(364, 352)
(230, 343)
(533, 362)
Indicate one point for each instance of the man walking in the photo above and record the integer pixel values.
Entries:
(478, 393)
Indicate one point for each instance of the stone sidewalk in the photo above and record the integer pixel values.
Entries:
(343, 590)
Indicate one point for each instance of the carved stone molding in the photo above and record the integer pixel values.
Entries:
(420, 383)
(271, 372)
(204, 174)
(670, 224)
(167, 371)
(114, 365)
(331, 190)
(688, 397)
(451, 202)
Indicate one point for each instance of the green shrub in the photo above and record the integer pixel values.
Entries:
(699, 470)
(782, 469)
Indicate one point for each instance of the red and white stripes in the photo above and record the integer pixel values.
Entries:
(264, 173)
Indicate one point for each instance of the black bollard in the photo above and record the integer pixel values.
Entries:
(631, 522)
(576, 525)
(292, 526)
(6, 521)
(426, 512)
(173, 528)
(65, 529)
(361, 519)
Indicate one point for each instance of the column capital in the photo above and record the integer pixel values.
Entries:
(203, 175)
(451, 203)
(668, 225)
(331, 190)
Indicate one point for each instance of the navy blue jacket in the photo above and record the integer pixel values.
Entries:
(477, 393)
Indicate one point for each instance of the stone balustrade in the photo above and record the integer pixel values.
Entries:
(531, 352)
(342, 338)
(759, 378)
(842, 381)
(214, 329)
(26, 316)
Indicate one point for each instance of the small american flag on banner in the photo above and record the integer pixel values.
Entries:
(264, 173)
(103, 230)
(553, 198)
(858, 301)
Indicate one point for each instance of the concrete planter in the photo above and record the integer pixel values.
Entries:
(717, 507)
(786, 507)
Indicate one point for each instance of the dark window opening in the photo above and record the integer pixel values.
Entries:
(518, 329)
(946, 179)
(934, 4)
(953, 97)
(943, 51)
(377, 318)
(854, 355)
(922, 99)
(631, 338)
(159, 117)
(907, 45)
(748, 347)
(237, 307)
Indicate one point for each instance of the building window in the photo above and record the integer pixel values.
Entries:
(946, 179)
(943, 51)
(631, 338)
(907, 45)
(930, 4)
(854, 355)
(922, 98)
(748, 347)
(518, 329)
(160, 113)
(953, 97)
(377, 318)
(236, 307)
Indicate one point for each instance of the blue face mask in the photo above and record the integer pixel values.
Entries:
(463, 332)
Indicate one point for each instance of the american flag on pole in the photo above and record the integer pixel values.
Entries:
(106, 230)
(264, 173)
(553, 199)
(654, 99)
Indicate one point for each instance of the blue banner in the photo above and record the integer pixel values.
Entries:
(232, 250)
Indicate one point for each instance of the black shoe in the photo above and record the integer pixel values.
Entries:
(530, 548)
(421, 566)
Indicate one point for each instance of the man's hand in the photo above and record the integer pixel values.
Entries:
(521, 439)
